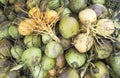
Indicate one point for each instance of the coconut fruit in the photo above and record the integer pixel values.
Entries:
(83, 42)
(46, 38)
(53, 49)
(98, 1)
(105, 27)
(115, 63)
(5, 47)
(53, 4)
(47, 63)
(13, 32)
(99, 9)
(69, 73)
(31, 56)
(100, 70)
(87, 16)
(77, 5)
(74, 58)
(38, 72)
(32, 41)
(104, 50)
(4, 29)
(68, 27)
(16, 52)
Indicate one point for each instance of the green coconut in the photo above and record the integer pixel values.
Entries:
(100, 70)
(46, 38)
(4, 29)
(32, 41)
(13, 32)
(115, 63)
(68, 27)
(31, 56)
(38, 72)
(53, 49)
(104, 50)
(77, 5)
(53, 4)
(98, 1)
(69, 73)
(16, 52)
(74, 58)
(47, 63)
(5, 47)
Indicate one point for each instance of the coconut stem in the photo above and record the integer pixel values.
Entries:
(54, 37)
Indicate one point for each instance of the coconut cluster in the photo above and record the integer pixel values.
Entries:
(39, 22)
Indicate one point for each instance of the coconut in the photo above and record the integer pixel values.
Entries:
(4, 29)
(69, 73)
(16, 52)
(100, 70)
(68, 27)
(47, 63)
(98, 1)
(77, 5)
(104, 50)
(5, 47)
(115, 63)
(46, 38)
(105, 27)
(74, 58)
(66, 12)
(87, 16)
(13, 32)
(38, 72)
(32, 41)
(53, 49)
(99, 9)
(31, 56)
(83, 42)
(53, 4)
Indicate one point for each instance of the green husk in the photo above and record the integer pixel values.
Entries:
(47, 63)
(31, 56)
(74, 58)
(53, 49)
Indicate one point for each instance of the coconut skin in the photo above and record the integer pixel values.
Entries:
(87, 16)
(47, 63)
(105, 50)
(100, 70)
(53, 49)
(74, 58)
(32, 41)
(68, 27)
(83, 42)
(115, 63)
(105, 27)
(31, 56)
